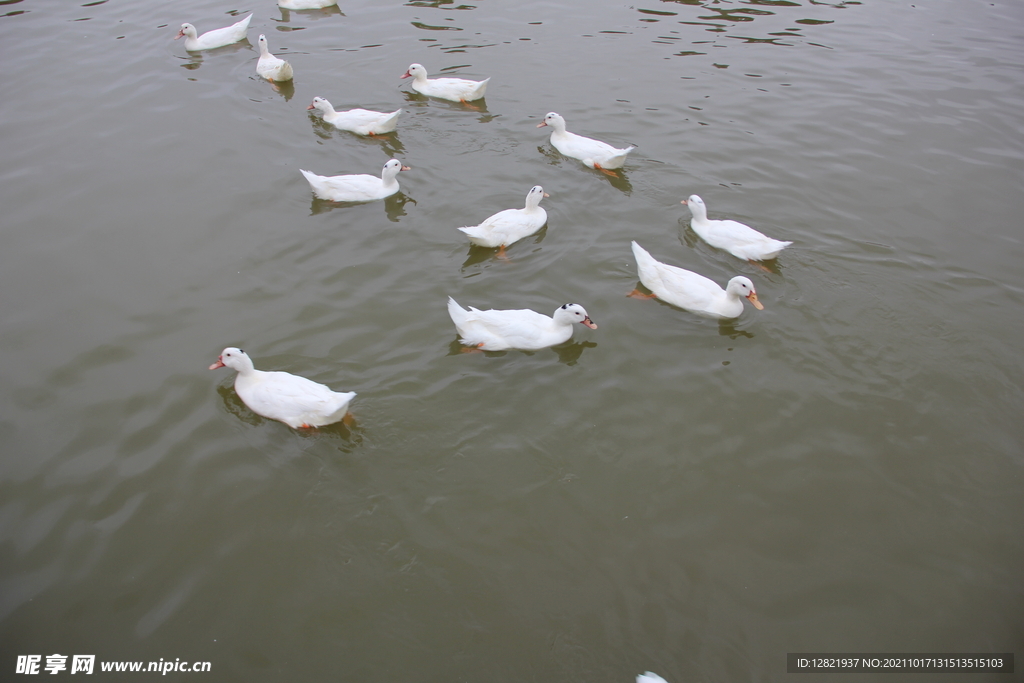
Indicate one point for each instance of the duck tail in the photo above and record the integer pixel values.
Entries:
(457, 313)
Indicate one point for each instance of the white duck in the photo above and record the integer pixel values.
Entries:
(305, 4)
(650, 677)
(270, 67)
(361, 121)
(593, 153)
(294, 400)
(691, 291)
(510, 225)
(357, 188)
(516, 329)
(454, 89)
(218, 37)
(736, 238)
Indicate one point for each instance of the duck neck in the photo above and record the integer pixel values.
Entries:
(699, 211)
(388, 176)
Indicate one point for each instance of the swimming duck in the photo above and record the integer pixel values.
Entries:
(357, 188)
(305, 4)
(270, 67)
(736, 238)
(361, 121)
(650, 677)
(294, 400)
(510, 225)
(218, 37)
(593, 153)
(691, 291)
(516, 329)
(454, 89)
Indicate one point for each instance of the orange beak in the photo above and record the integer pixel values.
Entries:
(752, 297)
(407, 75)
(541, 124)
(218, 364)
(589, 323)
(310, 107)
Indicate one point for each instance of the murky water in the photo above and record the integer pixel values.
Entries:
(840, 472)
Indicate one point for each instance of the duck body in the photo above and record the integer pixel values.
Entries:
(359, 121)
(593, 153)
(305, 4)
(356, 188)
(695, 293)
(453, 89)
(510, 225)
(270, 67)
(740, 240)
(294, 400)
(213, 39)
(524, 329)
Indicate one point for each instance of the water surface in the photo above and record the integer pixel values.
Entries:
(840, 472)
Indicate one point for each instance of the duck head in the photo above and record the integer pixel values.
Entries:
(415, 71)
(573, 313)
(186, 30)
(554, 120)
(233, 358)
(742, 286)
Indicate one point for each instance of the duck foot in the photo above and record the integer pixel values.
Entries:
(349, 420)
(608, 172)
(759, 265)
(501, 253)
(472, 349)
(637, 294)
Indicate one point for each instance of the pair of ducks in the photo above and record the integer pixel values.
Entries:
(268, 66)
(303, 403)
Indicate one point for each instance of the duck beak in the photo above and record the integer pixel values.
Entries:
(546, 194)
(683, 202)
(405, 168)
(407, 75)
(542, 124)
(589, 323)
(218, 364)
(310, 107)
(180, 34)
(752, 297)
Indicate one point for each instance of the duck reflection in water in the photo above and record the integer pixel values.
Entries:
(477, 255)
(394, 206)
(617, 178)
(568, 353)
